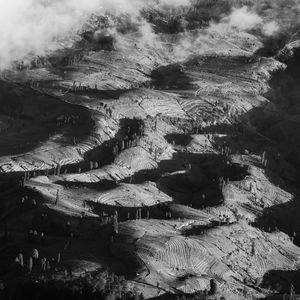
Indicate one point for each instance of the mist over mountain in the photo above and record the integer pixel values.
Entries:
(37, 27)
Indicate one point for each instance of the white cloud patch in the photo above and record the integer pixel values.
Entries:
(36, 26)
(243, 19)
(271, 28)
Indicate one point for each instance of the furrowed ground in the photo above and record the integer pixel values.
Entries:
(162, 168)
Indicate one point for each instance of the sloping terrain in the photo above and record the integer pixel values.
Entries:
(174, 171)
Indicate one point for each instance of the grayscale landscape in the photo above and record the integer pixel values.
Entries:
(149, 149)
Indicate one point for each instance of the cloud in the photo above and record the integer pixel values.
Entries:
(270, 28)
(33, 26)
(243, 19)
(38, 26)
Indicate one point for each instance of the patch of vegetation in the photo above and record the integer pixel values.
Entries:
(199, 14)
(103, 285)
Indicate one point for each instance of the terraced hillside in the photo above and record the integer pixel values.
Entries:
(169, 170)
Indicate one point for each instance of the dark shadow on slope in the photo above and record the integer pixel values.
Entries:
(281, 282)
(192, 179)
(198, 230)
(273, 44)
(178, 139)
(103, 185)
(130, 130)
(241, 144)
(69, 57)
(30, 118)
(221, 64)
(208, 166)
(284, 159)
(185, 190)
(86, 239)
(171, 77)
(130, 213)
(285, 94)
(283, 217)
(97, 41)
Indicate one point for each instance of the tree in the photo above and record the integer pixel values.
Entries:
(30, 264)
(35, 254)
(213, 287)
(21, 259)
(292, 292)
(115, 224)
(57, 197)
